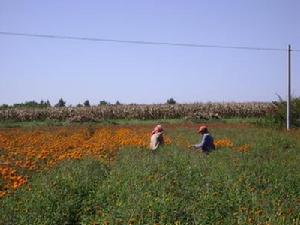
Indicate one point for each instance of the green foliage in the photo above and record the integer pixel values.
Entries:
(279, 117)
(171, 101)
(189, 188)
(28, 104)
(61, 103)
(4, 106)
(103, 102)
(45, 103)
(86, 103)
(56, 197)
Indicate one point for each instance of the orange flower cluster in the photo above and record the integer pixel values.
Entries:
(224, 143)
(24, 150)
(12, 180)
(227, 143)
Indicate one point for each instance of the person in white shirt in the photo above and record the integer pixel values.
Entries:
(157, 138)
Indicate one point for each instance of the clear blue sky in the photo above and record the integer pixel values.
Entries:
(35, 68)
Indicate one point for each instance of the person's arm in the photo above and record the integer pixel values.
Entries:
(154, 142)
(202, 143)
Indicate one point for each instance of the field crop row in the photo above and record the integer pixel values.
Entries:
(144, 112)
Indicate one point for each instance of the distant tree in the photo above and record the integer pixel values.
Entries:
(45, 103)
(118, 103)
(4, 106)
(61, 103)
(171, 101)
(28, 104)
(103, 102)
(48, 103)
(79, 105)
(86, 103)
(32, 104)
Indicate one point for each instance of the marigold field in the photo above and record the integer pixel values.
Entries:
(105, 174)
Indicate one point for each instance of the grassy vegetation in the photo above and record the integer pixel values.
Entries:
(55, 197)
(49, 123)
(45, 123)
(174, 186)
(31, 124)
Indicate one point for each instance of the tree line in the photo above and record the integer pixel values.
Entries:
(62, 103)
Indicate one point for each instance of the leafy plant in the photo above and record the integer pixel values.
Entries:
(86, 103)
(61, 103)
(103, 102)
(171, 101)
(279, 117)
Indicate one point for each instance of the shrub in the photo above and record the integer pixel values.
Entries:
(87, 103)
(171, 101)
(103, 102)
(45, 103)
(61, 103)
(32, 104)
(4, 106)
(279, 117)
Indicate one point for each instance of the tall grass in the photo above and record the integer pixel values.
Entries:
(180, 187)
(54, 197)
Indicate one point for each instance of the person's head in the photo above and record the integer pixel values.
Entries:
(203, 130)
(158, 129)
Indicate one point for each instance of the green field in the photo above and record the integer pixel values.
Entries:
(174, 186)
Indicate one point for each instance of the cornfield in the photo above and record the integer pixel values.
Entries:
(144, 112)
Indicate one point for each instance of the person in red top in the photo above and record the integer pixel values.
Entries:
(157, 138)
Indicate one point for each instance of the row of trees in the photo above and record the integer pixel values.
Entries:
(29, 104)
(62, 103)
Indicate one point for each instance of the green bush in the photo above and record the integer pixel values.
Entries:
(103, 102)
(279, 117)
(61, 103)
(28, 104)
(171, 101)
(86, 103)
